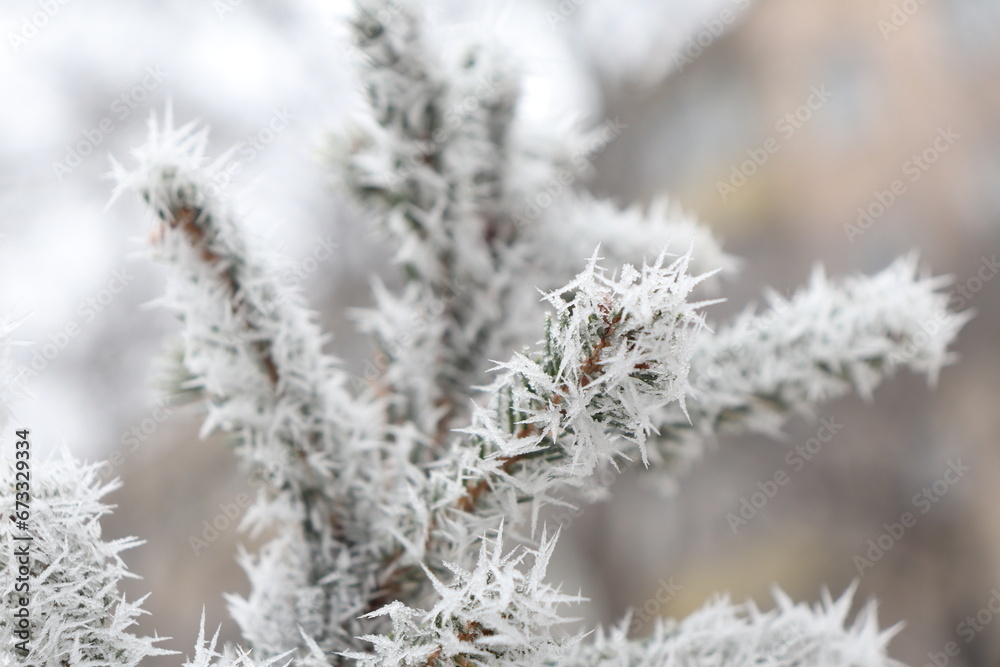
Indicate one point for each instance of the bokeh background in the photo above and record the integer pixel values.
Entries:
(848, 95)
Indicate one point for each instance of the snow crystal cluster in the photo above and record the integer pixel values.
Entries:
(743, 636)
(814, 346)
(78, 616)
(387, 505)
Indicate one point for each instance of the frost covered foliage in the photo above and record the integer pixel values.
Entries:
(495, 614)
(207, 655)
(743, 636)
(388, 502)
(817, 345)
(253, 351)
(78, 616)
(434, 159)
(637, 231)
(460, 190)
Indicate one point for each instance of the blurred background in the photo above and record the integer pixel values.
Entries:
(845, 132)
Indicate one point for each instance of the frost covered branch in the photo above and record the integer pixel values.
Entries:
(78, 616)
(387, 508)
(249, 344)
(824, 341)
(625, 236)
(495, 615)
(440, 162)
(254, 352)
(615, 352)
(433, 161)
(743, 636)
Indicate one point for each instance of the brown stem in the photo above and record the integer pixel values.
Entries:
(186, 218)
(473, 491)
